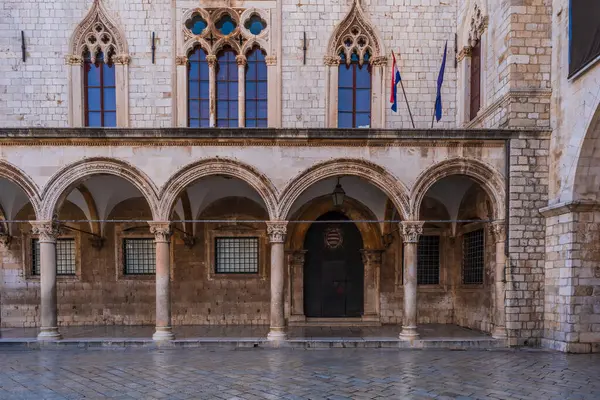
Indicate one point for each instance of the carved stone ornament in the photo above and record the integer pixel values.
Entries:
(181, 60)
(379, 61)
(189, 241)
(4, 241)
(465, 52)
(97, 242)
(98, 32)
(211, 60)
(333, 237)
(47, 231)
(355, 34)
(161, 231)
(371, 257)
(276, 231)
(240, 59)
(122, 59)
(331, 61)
(411, 230)
(297, 258)
(271, 60)
(497, 230)
(73, 59)
(478, 25)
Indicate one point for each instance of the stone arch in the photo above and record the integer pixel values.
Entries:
(99, 31)
(217, 166)
(191, 45)
(586, 181)
(487, 177)
(372, 173)
(355, 25)
(68, 177)
(23, 181)
(254, 43)
(353, 209)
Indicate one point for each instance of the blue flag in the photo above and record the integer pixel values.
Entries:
(438, 97)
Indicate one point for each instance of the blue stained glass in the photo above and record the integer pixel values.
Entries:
(95, 119)
(94, 98)
(251, 113)
(256, 89)
(345, 120)
(110, 119)
(262, 109)
(363, 100)
(194, 108)
(251, 123)
(363, 120)
(194, 123)
(196, 24)
(255, 24)
(233, 90)
(198, 88)
(109, 74)
(262, 70)
(109, 99)
(345, 76)
(363, 77)
(250, 90)
(222, 108)
(233, 110)
(193, 71)
(93, 75)
(261, 92)
(354, 93)
(345, 99)
(354, 57)
(226, 24)
(204, 110)
(194, 89)
(222, 90)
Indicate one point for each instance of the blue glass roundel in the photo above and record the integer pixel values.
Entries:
(255, 24)
(226, 24)
(196, 24)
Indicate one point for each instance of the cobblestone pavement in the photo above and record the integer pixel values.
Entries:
(297, 374)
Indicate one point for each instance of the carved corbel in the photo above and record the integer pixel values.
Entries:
(5, 240)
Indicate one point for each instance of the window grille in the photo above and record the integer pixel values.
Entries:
(227, 89)
(236, 255)
(428, 260)
(354, 93)
(473, 257)
(99, 92)
(198, 90)
(256, 90)
(139, 256)
(65, 256)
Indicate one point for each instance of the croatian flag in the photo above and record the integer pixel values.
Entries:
(395, 79)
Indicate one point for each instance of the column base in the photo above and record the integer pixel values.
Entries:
(409, 333)
(499, 332)
(49, 334)
(163, 333)
(277, 334)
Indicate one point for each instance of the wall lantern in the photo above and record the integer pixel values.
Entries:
(338, 194)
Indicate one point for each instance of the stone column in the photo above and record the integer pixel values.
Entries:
(276, 231)
(297, 278)
(497, 233)
(122, 89)
(47, 232)
(332, 68)
(411, 230)
(464, 79)
(273, 105)
(241, 62)
(76, 117)
(162, 238)
(372, 265)
(181, 63)
(212, 88)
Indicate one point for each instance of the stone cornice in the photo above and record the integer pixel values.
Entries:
(570, 207)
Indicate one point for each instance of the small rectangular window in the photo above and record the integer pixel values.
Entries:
(139, 256)
(475, 101)
(428, 260)
(236, 255)
(584, 34)
(472, 264)
(65, 256)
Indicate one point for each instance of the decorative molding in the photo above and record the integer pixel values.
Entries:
(464, 52)
(575, 206)
(497, 230)
(73, 60)
(371, 257)
(241, 60)
(271, 60)
(296, 258)
(5, 240)
(411, 230)
(211, 60)
(379, 61)
(47, 231)
(122, 59)
(181, 60)
(276, 231)
(161, 231)
(479, 23)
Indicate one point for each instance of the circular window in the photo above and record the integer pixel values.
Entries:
(196, 24)
(226, 24)
(255, 24)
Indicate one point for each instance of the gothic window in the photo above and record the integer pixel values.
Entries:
(354, 92)
(475, 101)
(99, 91)
(256, 90)
(198, 90)
(98, 61)
(227, 89)
(473, 257)
(428, 260)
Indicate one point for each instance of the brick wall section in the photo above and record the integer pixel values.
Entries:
(528, 193)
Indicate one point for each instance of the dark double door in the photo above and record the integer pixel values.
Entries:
(333, 270)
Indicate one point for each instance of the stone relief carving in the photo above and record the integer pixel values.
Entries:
(477, 26)
(411, 230)
(47, 231)
(161, 231)
(276, 231)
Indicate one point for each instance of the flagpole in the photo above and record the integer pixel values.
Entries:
(407, 106)
(433, 116)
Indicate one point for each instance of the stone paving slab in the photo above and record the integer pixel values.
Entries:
(297, 374)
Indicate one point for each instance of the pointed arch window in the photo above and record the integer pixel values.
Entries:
(227, 89)
(198, 90)
(256, 90)
(354, 92)
(99, 91)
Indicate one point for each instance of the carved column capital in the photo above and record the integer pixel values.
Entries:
(160, 230)
(331, 60)
(371, 257)
(4, 241)
(122, 59)
(497, 230)
(271, 60)
(72, 59)
(276, 231)
(181, 60)
(411, 230)
(211, 59)
(241, 60)
(378, 61)
(47, 231)
(296, 258)
(464, 52)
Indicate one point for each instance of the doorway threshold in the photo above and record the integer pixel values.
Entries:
(338, 321)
